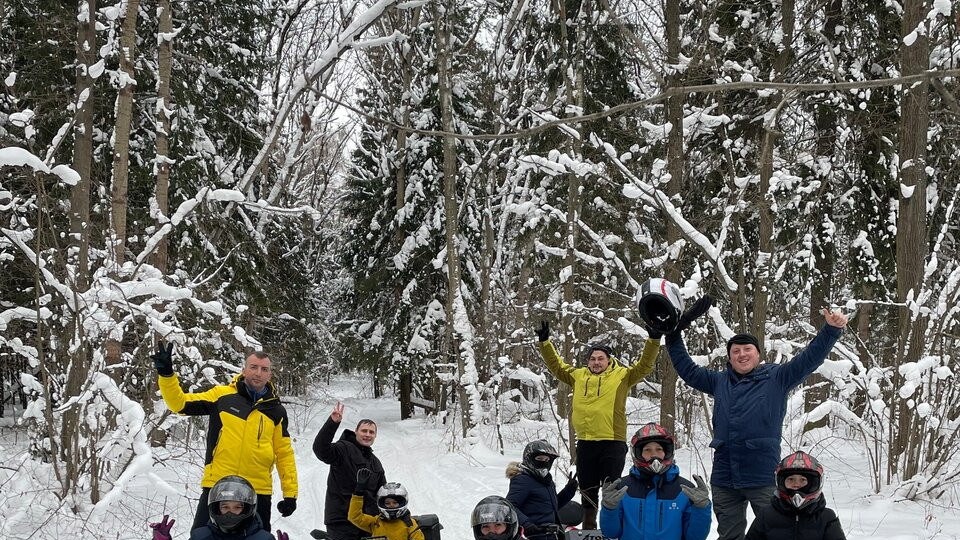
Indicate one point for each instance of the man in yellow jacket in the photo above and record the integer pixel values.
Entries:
(248, 432)
(599, 411)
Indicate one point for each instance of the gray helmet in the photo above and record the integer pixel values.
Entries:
(495, 509)
(392, 490)
(234, 489)
(538, 457)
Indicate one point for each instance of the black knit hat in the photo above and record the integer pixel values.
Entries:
(742, 339)
(605, 349)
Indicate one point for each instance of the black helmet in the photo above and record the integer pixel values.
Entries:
(649, 433)
(538, 457)
(660, 305)
(234, 489)
(807, 466)
(495, 509)
(392, 490)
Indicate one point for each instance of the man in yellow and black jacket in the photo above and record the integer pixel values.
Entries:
(599, 411)
(248, 432)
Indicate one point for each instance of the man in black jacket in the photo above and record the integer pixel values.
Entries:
(348, 455)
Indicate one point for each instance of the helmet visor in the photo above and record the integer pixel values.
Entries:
(491, 513)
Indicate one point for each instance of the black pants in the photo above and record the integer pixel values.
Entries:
(345, 531)
(203, 513)
(598, 461)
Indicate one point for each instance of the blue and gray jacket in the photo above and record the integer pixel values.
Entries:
(655, 508)
(748, 410)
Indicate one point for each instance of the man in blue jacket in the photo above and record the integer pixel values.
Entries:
(750, 401)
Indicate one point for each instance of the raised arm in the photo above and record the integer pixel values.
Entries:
(560, 369)
(202, 403)
(801, 366)
(323, 446)
(644, 366)
(698, 377)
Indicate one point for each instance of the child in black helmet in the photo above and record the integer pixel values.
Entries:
(798, 510)
(394, 520)
(233, 515)
(494, 518)
(533, 492)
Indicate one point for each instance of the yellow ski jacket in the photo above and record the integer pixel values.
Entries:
(599, 401)
(244, 438)
(393, 529)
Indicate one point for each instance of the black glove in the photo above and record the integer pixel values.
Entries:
(571, 483)
(287, 506)
(696, 311)
(163, 359)
(363, 478)
(543, 333)
(653, 333)
(531, 530)
(407, 520)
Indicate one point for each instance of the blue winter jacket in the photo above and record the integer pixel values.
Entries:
(655, 508)
(748, 410)
(252, 530)
(536, 499)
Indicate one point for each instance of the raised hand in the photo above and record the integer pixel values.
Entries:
(835, 318)
(543, 333)
(161, 531)
(611, 494)
(699, 496)
(363, 479)
(695, 312)
(163, 359)
(337, 414)
(282, 535)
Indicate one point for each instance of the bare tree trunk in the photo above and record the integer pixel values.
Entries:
(121, 149)
(761, 293)
(164, 62)
(406, 74)
(450, 205)
(911, 221)
(823, 252)
(80, 238)
(668, 375)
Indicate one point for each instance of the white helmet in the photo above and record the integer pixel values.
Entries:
(392, 490)
(660, 305)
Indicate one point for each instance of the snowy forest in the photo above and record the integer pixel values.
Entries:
(400, 191)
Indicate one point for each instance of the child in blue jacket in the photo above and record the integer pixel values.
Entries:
(654, 502)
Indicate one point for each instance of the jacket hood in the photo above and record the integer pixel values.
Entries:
(242, 389)
(513, 469)
(614, 365)
(350, 436)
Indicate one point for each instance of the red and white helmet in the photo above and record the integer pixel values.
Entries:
(660, 305)
(649, 433)
(807, 466)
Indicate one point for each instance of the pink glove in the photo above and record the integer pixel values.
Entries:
(282, 535)
(161, 531)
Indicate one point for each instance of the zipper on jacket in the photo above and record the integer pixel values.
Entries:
(660, 525)
(260, 430)
(599, 382)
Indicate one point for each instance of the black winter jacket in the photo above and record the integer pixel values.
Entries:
(346, 457)
(781, 521)
(536, 499)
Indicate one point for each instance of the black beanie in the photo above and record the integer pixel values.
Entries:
(605, 349)
(742, 339)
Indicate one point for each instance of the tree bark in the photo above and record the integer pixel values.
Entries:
(450, 204)
(668, 375)
(824, 249)
(121, 148)
(911, 220)
(164, 63)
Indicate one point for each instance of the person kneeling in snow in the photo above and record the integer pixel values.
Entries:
(394, 520)
(534, 494)
(654, 501)
(798, 510)
(494, 518)
(233, 515)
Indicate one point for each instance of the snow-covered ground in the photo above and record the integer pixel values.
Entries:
(444, 475)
